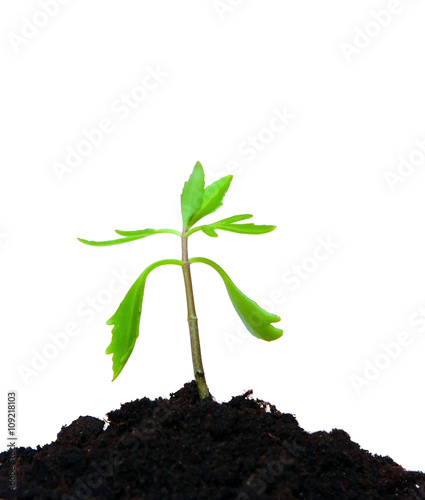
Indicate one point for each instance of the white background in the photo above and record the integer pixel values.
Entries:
(322, 176)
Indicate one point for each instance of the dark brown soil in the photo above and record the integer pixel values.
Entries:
(183, 449)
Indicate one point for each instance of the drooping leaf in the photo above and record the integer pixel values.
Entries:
(257, 320)
(191, 197)
(212, 199)
(126, 319)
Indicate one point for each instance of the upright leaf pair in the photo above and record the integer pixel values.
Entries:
(197, 201)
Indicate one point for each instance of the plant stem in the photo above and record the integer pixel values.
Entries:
(195, 345)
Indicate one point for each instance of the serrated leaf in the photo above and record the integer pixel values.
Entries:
(257, 320)
(126, 320)
(224, 225)
(191, 197)
(212, 199)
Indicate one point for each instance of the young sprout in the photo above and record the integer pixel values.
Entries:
(197, 201)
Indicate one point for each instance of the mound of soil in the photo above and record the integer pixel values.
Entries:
(183, 448)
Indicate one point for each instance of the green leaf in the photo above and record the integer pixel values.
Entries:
(129, 236)
(257, 320)
(234, 218)
(197, 201)
(212, 199)
(245, 228)
(209, 231)
(110, 242)
(126, 319)
(229, 225)
(191, 197)
(144, 233)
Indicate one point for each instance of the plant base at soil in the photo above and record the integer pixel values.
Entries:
(183, 448)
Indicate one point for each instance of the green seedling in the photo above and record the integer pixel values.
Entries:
(197, 201)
